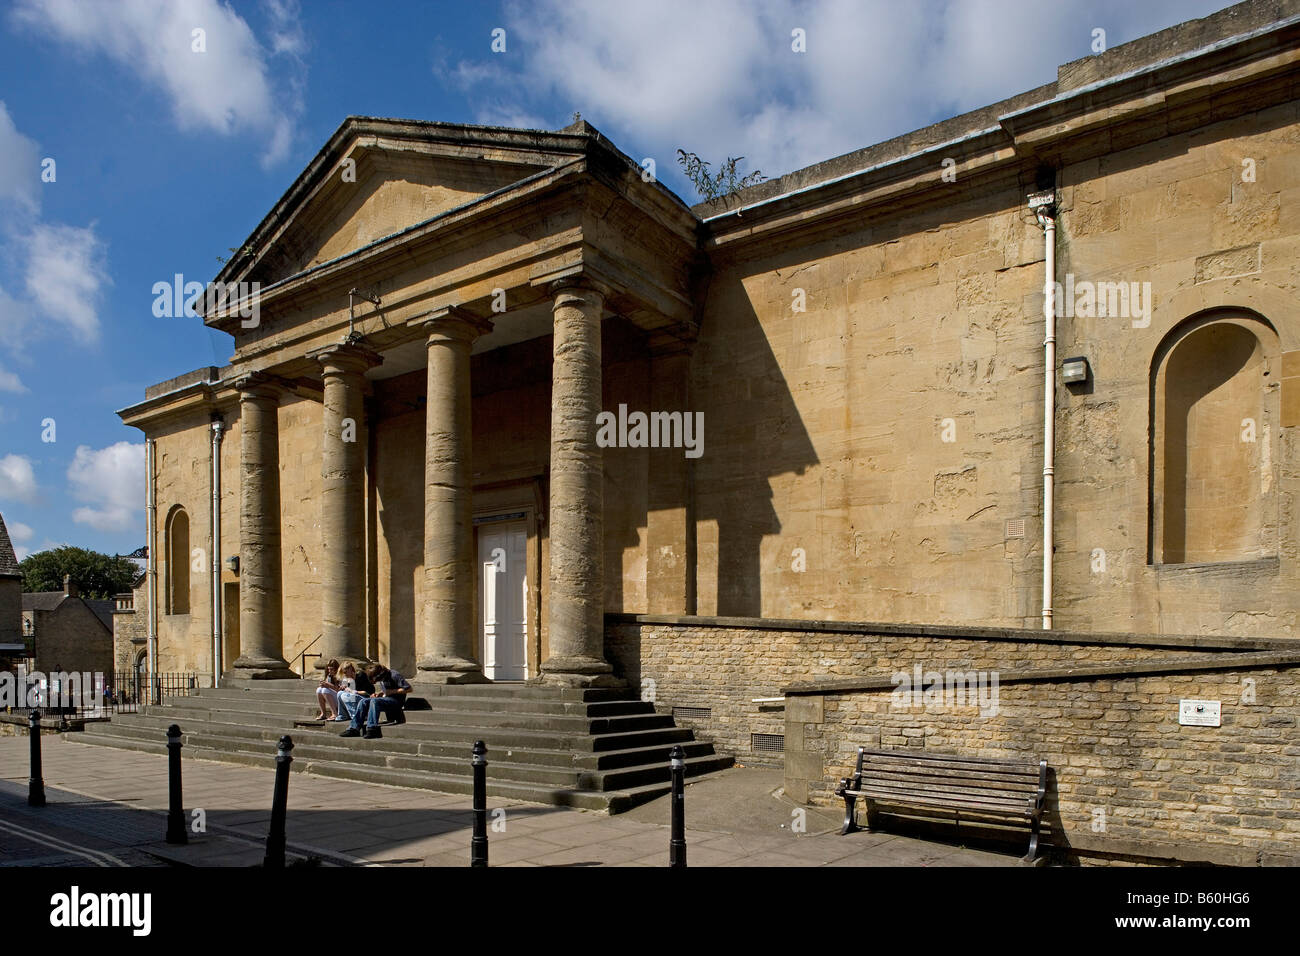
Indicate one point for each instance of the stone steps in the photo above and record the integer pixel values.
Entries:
(445, 714)
(596, 749)
(463, 702)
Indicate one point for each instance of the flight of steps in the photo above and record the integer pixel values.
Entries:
(597, 749)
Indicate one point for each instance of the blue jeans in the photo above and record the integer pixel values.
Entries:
(348, 701)
(369, 709)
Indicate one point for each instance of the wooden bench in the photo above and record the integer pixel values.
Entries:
(939, 783)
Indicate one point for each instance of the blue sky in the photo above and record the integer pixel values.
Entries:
(166, 156)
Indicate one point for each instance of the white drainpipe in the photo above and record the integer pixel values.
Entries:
(151, 584)
(1044, 207)
(216, 550)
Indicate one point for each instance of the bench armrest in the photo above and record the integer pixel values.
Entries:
(1041, 796)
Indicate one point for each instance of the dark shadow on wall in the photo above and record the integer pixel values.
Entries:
(753, 432)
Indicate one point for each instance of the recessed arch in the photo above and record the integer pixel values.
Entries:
(1213, 450)
(177, 549)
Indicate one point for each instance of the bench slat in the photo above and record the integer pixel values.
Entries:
(956, 778)
(880, 792)
(1017, 810)
(924, 755)
(950, 763)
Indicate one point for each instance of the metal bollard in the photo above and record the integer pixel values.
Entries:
(36, 782)
(279, 806)
(677, 843)
(175, 809)
(478, 845)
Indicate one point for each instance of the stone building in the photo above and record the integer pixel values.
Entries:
(70, 633)
(130, 629)
(12, 644)
(407, 450)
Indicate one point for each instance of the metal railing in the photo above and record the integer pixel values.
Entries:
(302, 658)
(123, 692)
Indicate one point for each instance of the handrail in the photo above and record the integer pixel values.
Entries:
(302, 658)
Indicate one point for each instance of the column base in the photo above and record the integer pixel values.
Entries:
(449, 670)
(577, 672)
(260, 668)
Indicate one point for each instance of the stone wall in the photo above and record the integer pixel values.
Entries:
(1127, 780)
(1102, 708)
(11, 609)
(71, 638)
(130, 628)
(865, 456)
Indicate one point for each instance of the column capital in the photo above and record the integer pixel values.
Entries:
(578, 284)
(343, 357)
(261, 385)
(451, 323)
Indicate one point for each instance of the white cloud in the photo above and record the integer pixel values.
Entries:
(227, 89)
(720, 78)
(10, 382)
(20, 166)
(17, 479)
(111, 482)
(18, 533)
(65, 275)
(64, 267)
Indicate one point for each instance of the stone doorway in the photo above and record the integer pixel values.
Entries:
(503, 599)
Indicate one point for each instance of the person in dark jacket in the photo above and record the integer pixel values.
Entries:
(388, 698)
(356, 688)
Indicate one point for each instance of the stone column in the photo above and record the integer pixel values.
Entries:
(261, 636)
(670, 555)
(576, 520)
(342, 503)
(448, 644)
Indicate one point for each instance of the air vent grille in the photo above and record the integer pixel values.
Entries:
(693, 713)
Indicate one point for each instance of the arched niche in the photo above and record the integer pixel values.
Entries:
(1214, 441)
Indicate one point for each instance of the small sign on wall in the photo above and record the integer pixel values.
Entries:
(1200, 713)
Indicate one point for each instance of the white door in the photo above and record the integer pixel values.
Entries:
(503, 600)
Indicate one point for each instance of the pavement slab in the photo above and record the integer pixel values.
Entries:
(110, 805)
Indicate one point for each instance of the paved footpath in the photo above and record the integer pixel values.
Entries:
(107, 807)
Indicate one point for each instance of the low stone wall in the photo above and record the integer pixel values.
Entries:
(723, 664)
(1128, 781)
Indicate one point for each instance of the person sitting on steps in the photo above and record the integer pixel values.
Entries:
(327, 692)
(391, 689)
(356, 686)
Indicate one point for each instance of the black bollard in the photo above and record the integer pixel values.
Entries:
(35, 783)
(175, 811)
(279, 806)
(677, 843)
(478, 845)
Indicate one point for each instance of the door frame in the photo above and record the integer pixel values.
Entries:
(517, 501)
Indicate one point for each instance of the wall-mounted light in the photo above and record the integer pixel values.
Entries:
(1075, 371)
(232, 564)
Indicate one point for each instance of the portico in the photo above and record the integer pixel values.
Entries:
(487, 284)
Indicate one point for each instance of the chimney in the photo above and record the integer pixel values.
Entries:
(69, 588)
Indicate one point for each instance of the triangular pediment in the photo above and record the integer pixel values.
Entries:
(376, 178)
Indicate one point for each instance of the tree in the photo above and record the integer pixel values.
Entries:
(714, 188)
(95, 575)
